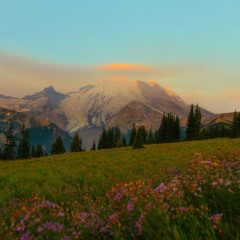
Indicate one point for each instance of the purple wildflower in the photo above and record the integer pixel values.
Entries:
(216, 217)
(161, 188)
(130, 206)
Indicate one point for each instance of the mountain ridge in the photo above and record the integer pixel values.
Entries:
(107, 103)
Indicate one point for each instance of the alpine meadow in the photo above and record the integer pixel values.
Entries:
(119, 120)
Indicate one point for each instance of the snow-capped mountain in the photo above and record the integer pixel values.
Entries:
(107, 103)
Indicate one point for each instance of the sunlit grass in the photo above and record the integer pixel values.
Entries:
(71, 176)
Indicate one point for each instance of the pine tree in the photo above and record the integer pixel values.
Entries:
(162, 132)
(24, 148)
(198, 120)
(1, 154)
(39, 151)
(110, 138)
(104, 139)
(58, 146)
(156, 137)
(144, 134)
(133, 135)
(190, 131)
(9, 153)
(138, 143)
(170, 123)
(93, 145)
(235, 127)
(124, 141)
(177, 128)
(99, 143)
(117, 137)
(76, 144)
(150, 137)
(33, 152)
(194, 123)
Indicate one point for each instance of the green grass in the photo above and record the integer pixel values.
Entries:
(70, 176)
(112, 194)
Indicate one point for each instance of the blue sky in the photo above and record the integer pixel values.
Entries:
(180, 34)
(94, 32)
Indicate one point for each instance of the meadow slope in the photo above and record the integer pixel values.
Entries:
(117, 192)
(72, 175)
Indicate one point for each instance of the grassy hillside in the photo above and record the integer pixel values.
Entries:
(75, 174)
(84, 177)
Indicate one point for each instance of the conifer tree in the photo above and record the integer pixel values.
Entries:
(138, 143)
(58, 146)
(9, 153)
(169, 130)
(144, 134)
(99, 143)
(110, 138)
(198, 120)
(170, 134)
(162, 132)
(133, 135)
(235, 127)
(156, 137)
(39, 151)
(194, 123)
(124, 141)
(24, 148)
(93, 145)
(190, 131)
(104, 139)
(177, 128)
(117, 137)
(76, 144)
(150, 137)
(33, 152)
(1, 154)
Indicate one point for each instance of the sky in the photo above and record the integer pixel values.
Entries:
(191, 47)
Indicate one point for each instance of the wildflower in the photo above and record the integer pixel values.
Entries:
(39, 229)
(214, 184)
(61, 214)
(228, 182)
(130, 206)
(20, 228)
(138, 225)
(66, 238)
(161, 188)
(25, 237)
(216, 218)
(118, 197)
(181, 209)
(113, 217)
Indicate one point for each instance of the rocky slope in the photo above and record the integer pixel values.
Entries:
(40, 129)
(107, 103)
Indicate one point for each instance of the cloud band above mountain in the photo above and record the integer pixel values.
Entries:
(20, 76)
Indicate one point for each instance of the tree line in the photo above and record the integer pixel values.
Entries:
(168, 131)
(196, 131)
(24, 151)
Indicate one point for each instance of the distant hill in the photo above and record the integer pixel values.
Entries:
(213, 119)
(40, 130)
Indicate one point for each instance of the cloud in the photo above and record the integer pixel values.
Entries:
(125, 66)
(201, 84)
(31, 75)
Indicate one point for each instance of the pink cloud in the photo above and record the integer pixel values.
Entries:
(125, 66)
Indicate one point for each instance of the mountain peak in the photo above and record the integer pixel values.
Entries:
(49, 89)
(48, 92)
